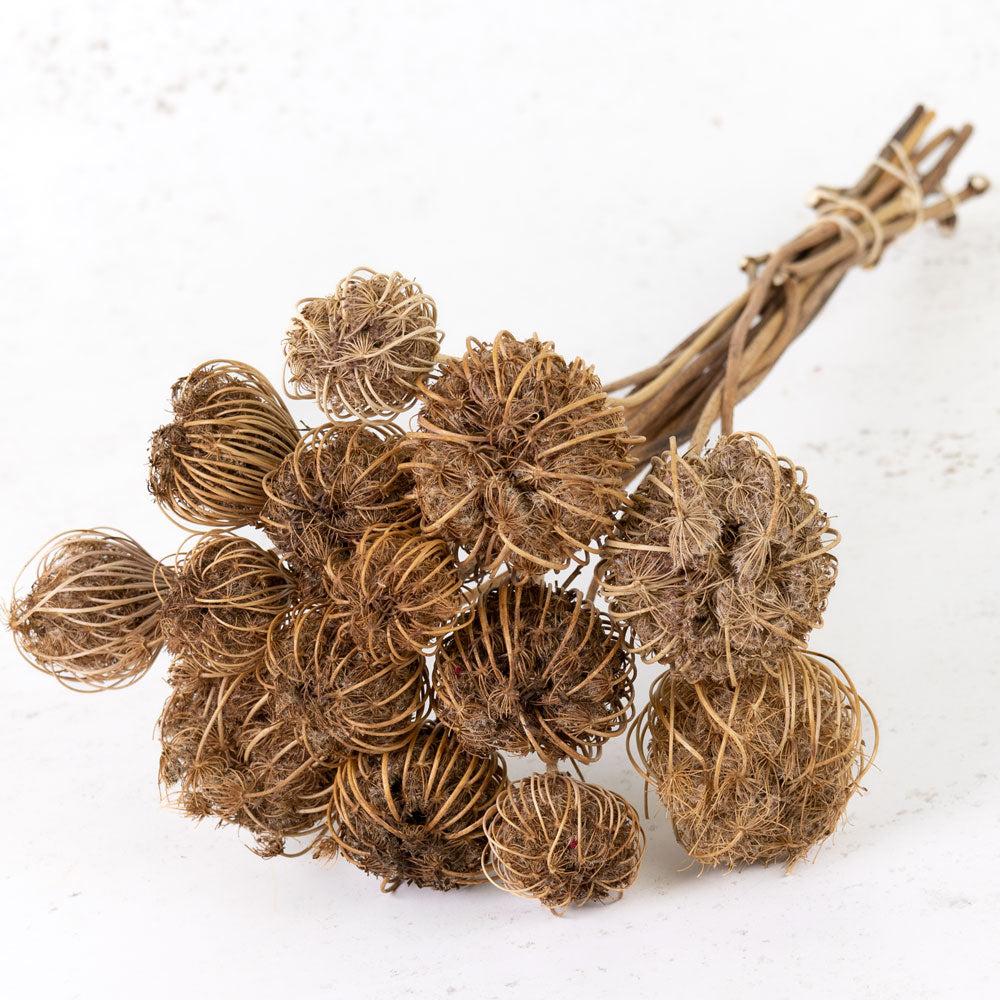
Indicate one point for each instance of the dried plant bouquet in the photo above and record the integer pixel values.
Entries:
(347, 683)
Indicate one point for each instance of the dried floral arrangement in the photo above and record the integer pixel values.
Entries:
(348, 683)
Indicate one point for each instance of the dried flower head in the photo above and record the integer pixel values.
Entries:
(340, 480)
(219, 604)
(563, 842)
(360, 351)
(396, 595)
(415, 814)
(756, 771)
(227, 752)
(92, 616)
(538, 670)
(519, 456)
(720, 564)
(337, 698)
(230, 429)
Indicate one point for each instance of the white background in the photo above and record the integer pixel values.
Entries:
(174, 176)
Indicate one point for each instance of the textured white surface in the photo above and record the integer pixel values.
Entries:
(176, 175)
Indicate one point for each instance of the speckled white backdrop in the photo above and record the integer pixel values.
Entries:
(175, 175)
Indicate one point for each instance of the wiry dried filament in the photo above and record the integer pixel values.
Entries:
(756, 771)
(92, 616)
(338, 699)
(340, 481)
(720, 563)
(538, 670)
(519, 456)
(230, 429)
(219, 603)
(397, 594)
(415, 815)
(227, 752)
(563, 842)
(361, 351)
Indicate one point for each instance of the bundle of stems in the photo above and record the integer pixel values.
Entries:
(727, 357)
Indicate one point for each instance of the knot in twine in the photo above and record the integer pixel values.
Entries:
(835, 206)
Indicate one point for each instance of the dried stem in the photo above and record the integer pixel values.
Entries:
(726, 358)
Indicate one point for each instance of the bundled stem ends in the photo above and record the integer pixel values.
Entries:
(704, 376)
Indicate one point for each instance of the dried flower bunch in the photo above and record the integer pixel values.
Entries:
(337, 698)
(92, 616)
(415, 815)
(519, 456)
(229, 753)
(339, 481)
(538, 670)
(219, 603)
(563, 842)
(230, 429)
(397, 594)
(360, 351)
(301, 706)
(756, 771)
(720, 563)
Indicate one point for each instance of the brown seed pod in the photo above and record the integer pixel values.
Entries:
(563, 842)
(227, 752)
(720, 563)
(340, 480)
(519, 456)
(396, 595)
(92, 616)
(360, 351)
(220, 602)
(230, 429)
(538, 670)
(338, 700)
(415, 814)
(759, 771)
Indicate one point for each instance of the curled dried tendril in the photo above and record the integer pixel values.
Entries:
(756, 771)
(538, 670)
(563, 842)
(396, 595)
(219, 603)
(340, 480)
(361, 351)
(720, 564)
(519, 456)
(91, 618)
(337, 699)
(414, 815)
(230, 429)
(227, 752)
